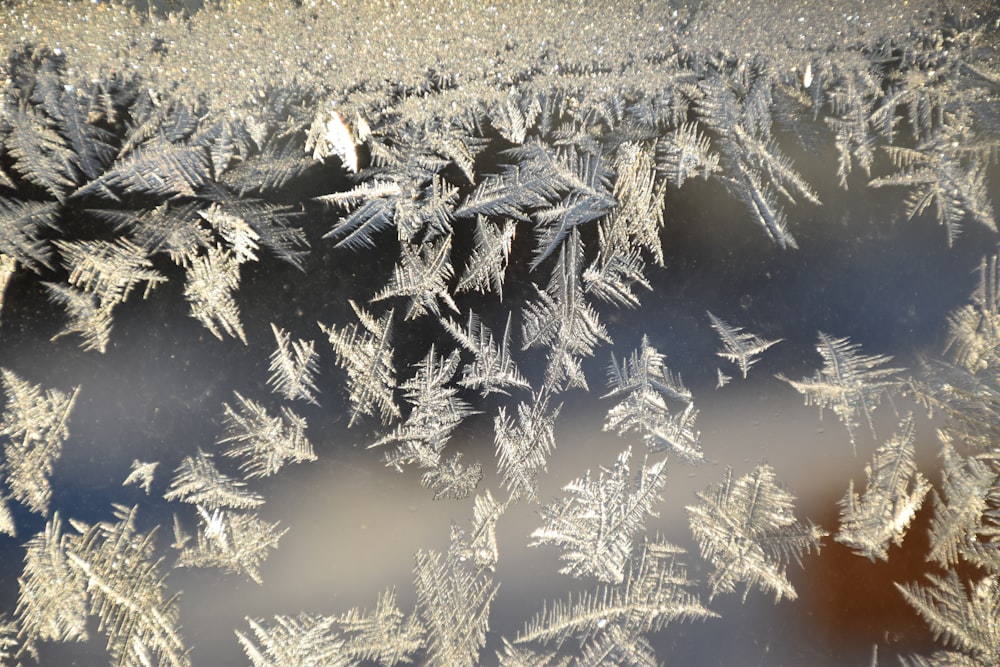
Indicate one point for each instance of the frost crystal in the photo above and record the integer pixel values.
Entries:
(746, 528)
(293, 365)
(263, 442)
(740, 347)
(34, 427)
(896, 490)
(850, 384)
(644, 385)
(597, 522)
(365, 351)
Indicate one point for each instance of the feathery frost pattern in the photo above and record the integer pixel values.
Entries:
(20, 225)
(493, 369)
(963, 614)
(453, 599)
(561, 320)
(687, 154)
(518, 208)
(974, 329)
(212, 280)
(614, 619)
(596, 523)
(524, 444)
(746, 528)
(966, 511)
(235, 232)
(422, 275)
(952, 180)
(199, 482)
(436, 412)
(293, 365)
(881, 515)
(386, 637)
(234, 542)
(264, 443)
(157, 168)
(52, 605)
(452, 479)
(140, 621)
(851, 384)
(740, 347)
(143, 474)
(488, 262)
(365, 351)
(87, 316)
(109, 271)
(644, 384)
(34, 428)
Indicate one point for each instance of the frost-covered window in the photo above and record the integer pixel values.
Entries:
(294, 293)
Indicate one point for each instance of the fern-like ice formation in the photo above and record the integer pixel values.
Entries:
(293, 365)
(524, 443)
(974, 329)
(541, 177)
(488, 261)
(102, 275)
(747, 529)
(142, 474)
(264, 443)
(21, 223)
(643, 384)
(199, 482)
(740, 347)
(966, 511)
(365, 351)
(610, 623)
(597, 521)
(436, 412)
(422, 274)
(850, 383)
(492, 369)
(212, 280)
(453, 601)
(942, 171)
(34, 428)
(561, 320)
(963, 614)
(385, 636)
(871, 521)
(235, 542)
(108, 570)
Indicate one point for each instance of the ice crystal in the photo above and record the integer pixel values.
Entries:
(199, 482)
(232, 541)
(453, 601)
(881, 515)
(523, 446)
(746, 528)
(34, 427)
(598, 520)
(142, 474)
(740, 347)
(613, 619)
(293, 365)
(69, 576)
(851, 384)
(493, 369)
(365, 351)
(264, 443)
(212, 279)
(643, 385)
(436, 412)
